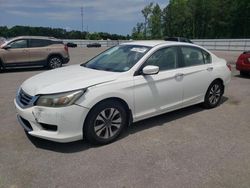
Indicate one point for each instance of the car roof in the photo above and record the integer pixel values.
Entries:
(153, 43)
(35, 37)
(149, 43)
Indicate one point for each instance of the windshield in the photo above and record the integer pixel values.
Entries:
(118, 59)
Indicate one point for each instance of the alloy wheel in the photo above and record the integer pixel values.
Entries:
(214, 94)
(107, 123)
(55, 62)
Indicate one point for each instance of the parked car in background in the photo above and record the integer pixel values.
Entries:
(33, 51)
(178, 39)
(71, 45)
(126, 83)
(94, 45)
(243, 63)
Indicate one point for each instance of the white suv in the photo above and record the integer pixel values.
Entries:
(124, 84)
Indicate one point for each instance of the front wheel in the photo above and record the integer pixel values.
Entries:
(243, 73)
(54, 62)
(105, 122)
(213, 95)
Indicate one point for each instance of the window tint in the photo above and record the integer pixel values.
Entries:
(207, 57)
(192, 56)
(39, 43)
(19, 44)
(165, 59)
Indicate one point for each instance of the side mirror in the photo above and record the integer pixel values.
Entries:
(6, 47)
(150, 70)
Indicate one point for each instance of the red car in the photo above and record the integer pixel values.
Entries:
(243, 63)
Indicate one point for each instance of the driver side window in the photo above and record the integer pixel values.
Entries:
(19, 44)
(165, 59)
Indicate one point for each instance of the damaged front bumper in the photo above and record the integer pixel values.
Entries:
(56, 124)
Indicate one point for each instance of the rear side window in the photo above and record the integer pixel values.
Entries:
(39, 43)
(192, 56)
(207, 57)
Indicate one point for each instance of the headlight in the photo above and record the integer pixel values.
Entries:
(60, 99)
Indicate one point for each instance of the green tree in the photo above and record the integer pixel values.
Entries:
(146, 13)
(55, 32)
(155, 23)
(177, 19)
(137, 32)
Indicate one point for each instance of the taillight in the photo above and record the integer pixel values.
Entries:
(229, 67)
(66, 48)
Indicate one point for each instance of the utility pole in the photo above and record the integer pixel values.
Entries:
(82, 17)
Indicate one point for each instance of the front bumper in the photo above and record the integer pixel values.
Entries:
(67, 120)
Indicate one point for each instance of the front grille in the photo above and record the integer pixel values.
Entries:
(24, 98)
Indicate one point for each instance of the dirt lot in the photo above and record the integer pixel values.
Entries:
(191, 147)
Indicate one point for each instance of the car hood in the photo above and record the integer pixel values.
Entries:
(66, 79)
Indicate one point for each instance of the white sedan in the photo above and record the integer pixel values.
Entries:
(125, 84)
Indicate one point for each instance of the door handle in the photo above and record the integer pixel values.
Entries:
(210, 68)
(179, 76)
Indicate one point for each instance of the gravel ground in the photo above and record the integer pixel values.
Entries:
(189, 148)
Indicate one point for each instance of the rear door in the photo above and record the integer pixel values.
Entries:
(39, 50)
(197, 72)
(17, 53)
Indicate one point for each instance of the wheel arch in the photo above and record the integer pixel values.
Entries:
(112, 99)
(221, 81)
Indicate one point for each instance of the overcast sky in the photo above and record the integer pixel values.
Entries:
(113, 16)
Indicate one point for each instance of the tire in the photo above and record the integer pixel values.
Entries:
(105, 122)
(54, 62)
(242, 73)
(1, 67)
(213, 95)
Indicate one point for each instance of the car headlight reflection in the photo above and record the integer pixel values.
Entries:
(60, 99)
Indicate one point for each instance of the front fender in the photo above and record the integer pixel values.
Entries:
(122, 90)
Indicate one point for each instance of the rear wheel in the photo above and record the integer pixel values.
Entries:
(105, 122)
(213, 95)
(54, 62)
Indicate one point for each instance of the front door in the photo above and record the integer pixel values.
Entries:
(162, 92)
(17, 53)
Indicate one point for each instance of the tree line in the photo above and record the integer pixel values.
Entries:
(195, 19)
(57, 33)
